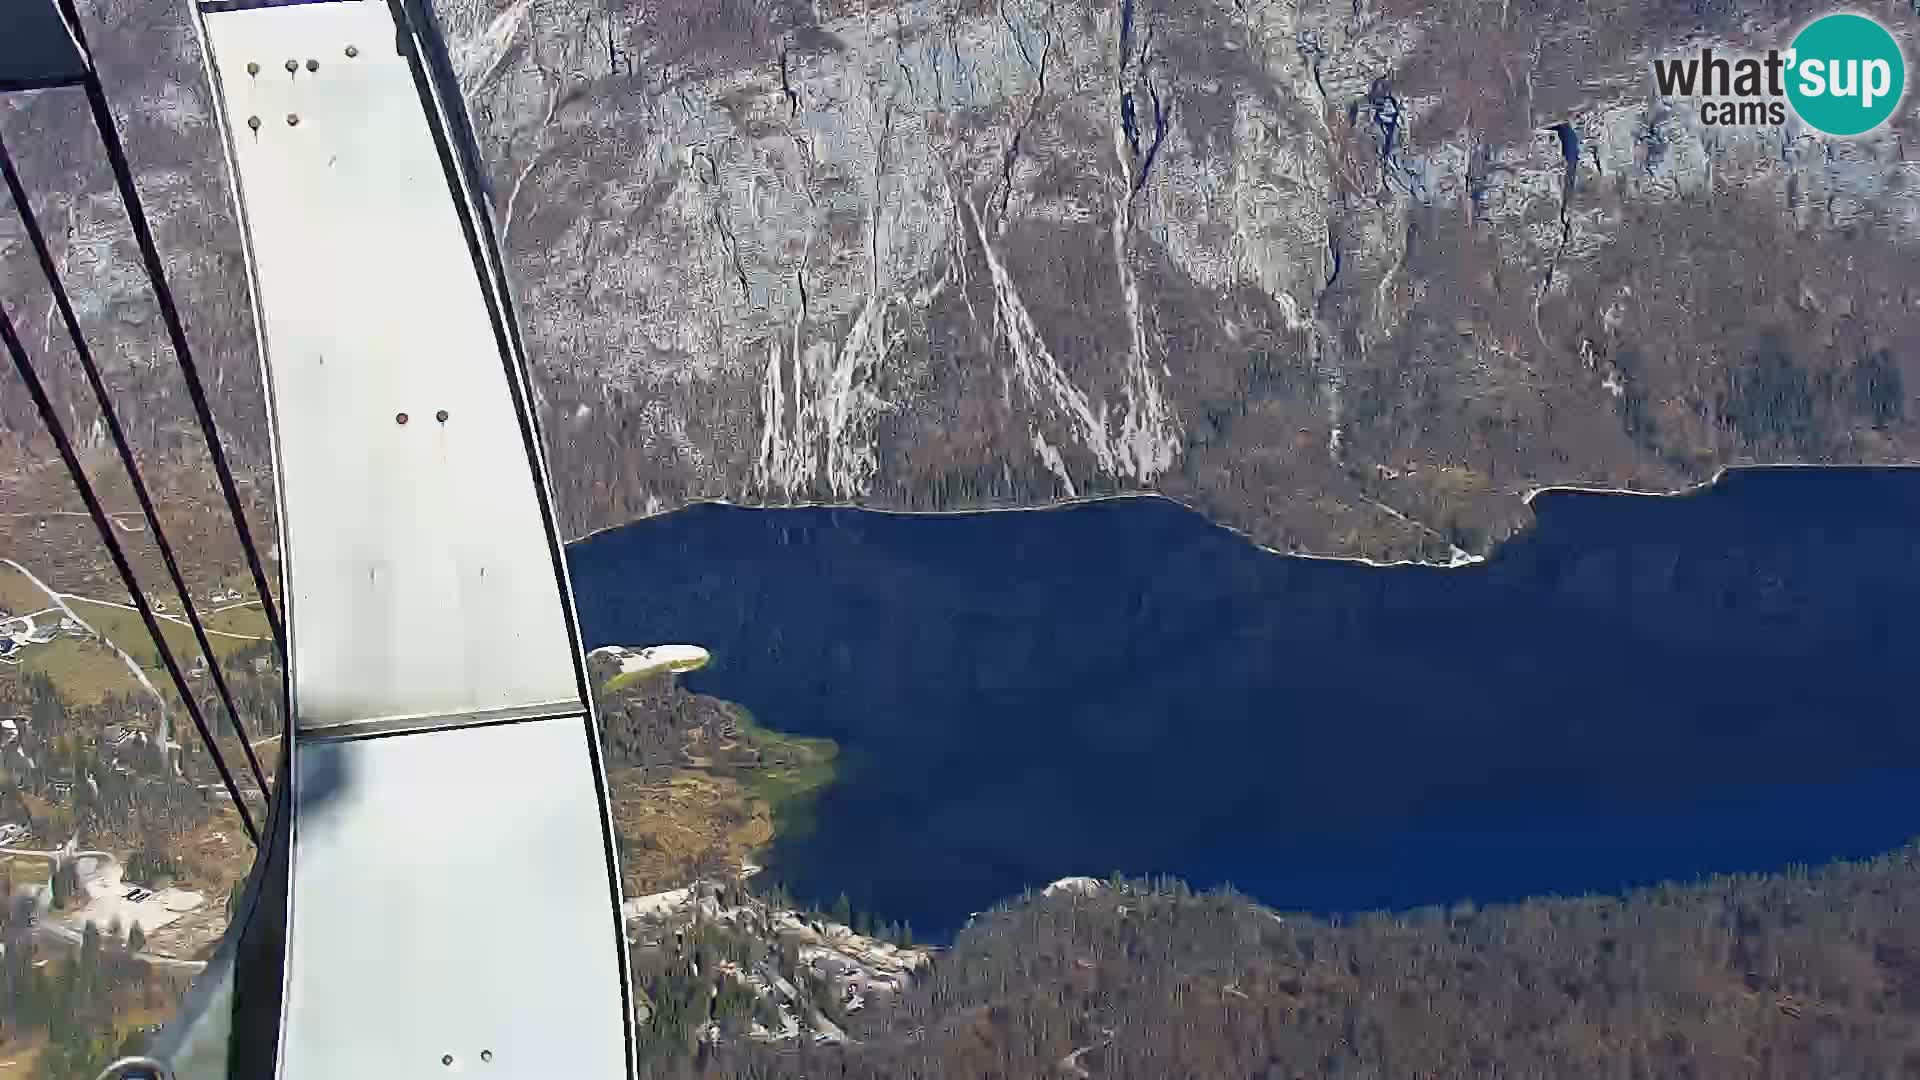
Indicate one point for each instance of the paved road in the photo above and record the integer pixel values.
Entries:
(59, 599)
(55, 856)
(133, 666)
(113, 516)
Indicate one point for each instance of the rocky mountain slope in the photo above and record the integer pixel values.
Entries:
(1351, 277)
(714, 963)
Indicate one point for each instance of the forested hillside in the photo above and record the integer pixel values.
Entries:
(1803, 974)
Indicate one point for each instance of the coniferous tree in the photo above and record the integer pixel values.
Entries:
(61, 884)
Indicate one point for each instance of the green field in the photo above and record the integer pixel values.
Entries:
(626, 679)
(125, 628)
(87, 671)
(623, 680)
(23, 872)
(18, 595)
(787, 789)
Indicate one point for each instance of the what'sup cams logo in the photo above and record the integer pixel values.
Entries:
(1842, 75)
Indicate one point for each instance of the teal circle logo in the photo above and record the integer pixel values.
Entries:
(1845, 74)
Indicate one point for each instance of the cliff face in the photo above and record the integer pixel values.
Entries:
(1352, 277)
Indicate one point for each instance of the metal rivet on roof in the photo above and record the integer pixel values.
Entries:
(446, 1059)
(353, 50)
(400, 418)
(293, 66)
(441, 416)
(253, 67)
(253, 122)
(292, 119)
(313, 65)
(486, 1055)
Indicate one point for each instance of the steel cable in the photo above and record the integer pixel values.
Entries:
(176, 330)
(24, 207)
(51, 418)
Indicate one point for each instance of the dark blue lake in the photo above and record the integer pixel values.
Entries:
(1636, 689)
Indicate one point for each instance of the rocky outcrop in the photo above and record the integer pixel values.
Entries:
(790, 972)
(1352, 277)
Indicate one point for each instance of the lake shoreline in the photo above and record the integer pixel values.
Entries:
(1463, 559)
(1635, 693)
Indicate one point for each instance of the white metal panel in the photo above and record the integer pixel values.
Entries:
(395, 963)
(420, 578)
